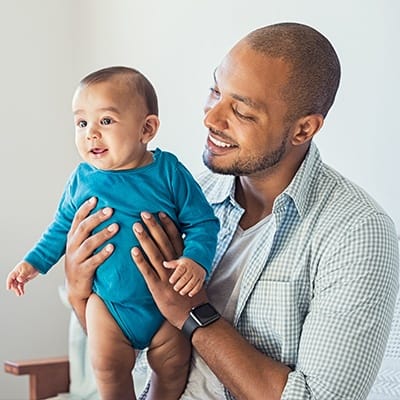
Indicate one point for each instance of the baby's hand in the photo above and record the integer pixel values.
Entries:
(21, 274)
(188, 277)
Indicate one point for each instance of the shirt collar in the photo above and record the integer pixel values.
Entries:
(221, 188)
(298, 190)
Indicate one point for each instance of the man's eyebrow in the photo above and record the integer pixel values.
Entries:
(246, 100)
(243, 99)
(215, 75)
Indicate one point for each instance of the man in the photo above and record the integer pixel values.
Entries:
(306, 271)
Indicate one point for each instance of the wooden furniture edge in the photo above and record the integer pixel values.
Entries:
(47, 376)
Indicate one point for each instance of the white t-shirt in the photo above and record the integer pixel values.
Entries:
(223, 292)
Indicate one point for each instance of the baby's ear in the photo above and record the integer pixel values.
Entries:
(150, 128)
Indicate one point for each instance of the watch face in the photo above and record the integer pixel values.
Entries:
(205, 313)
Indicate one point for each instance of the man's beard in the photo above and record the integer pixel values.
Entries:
(250, 165)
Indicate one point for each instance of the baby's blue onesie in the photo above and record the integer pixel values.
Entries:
(164, 185)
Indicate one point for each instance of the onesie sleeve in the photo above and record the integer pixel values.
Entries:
(196, 218)
(51, 246)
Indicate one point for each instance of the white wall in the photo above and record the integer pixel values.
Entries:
(36, 155)
(177, 44)
(47, 46)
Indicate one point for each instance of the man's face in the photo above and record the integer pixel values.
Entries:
(245, 114)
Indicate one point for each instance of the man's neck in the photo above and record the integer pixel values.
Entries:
(257, 193)
(256, 198)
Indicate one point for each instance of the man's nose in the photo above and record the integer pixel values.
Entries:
(215, 115)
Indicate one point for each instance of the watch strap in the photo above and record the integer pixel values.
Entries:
(189, 327)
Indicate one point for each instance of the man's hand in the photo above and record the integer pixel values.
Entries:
(244, 370)
(80, 262)
(163, 244)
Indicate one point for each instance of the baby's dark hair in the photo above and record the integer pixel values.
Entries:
(315, 67)
(135, 81)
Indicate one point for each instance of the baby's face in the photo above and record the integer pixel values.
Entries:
(109, 126)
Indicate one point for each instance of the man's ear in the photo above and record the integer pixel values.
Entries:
(150, 128)
(306, 128)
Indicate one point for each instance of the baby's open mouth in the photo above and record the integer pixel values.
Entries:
(98, 150)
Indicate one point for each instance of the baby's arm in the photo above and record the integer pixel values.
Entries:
(188, 277)
(21, 274)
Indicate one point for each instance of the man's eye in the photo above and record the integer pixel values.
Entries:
(82, 124)
(106, 121)
(242, 116)
(214, 92)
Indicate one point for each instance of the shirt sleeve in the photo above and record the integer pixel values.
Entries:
(51, 245)
(345, 332)
(196, 217)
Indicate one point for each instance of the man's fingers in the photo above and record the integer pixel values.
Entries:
(86, 226)
(83, 225)
(83, 250)
(82, 213)
(146, 270)
(172, 232)
(159, 236)
(91, 264)
(96, 240)
(152, 252)
(81, 262)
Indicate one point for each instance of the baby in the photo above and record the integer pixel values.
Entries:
(116, 116)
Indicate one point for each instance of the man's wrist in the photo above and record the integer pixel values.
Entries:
(78, 305)
(73, 298)
(199, 317)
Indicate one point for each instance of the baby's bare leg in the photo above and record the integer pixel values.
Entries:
(169, 357)
(112, 355)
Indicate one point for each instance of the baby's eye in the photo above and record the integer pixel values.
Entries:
(82, 124)
(106, 121)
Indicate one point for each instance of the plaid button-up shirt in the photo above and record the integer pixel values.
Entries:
(318, 294)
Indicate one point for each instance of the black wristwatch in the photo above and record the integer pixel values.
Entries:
(200, 316)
